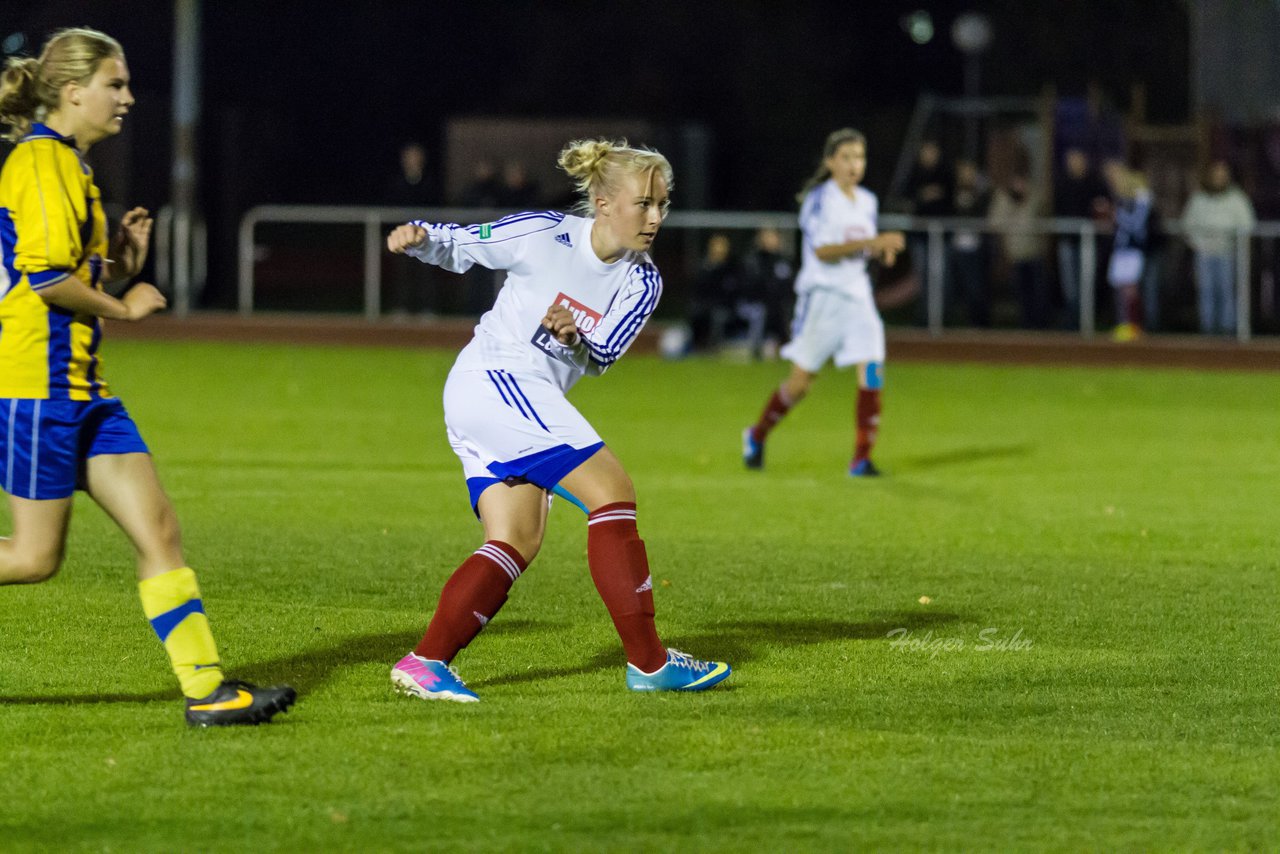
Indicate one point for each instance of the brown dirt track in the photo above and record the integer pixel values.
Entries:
(1003, 347)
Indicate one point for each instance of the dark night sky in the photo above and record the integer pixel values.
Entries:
(308, 102)
(768, 78)
(319, 95)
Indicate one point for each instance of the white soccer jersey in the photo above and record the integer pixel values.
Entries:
(549, 260)
(828, 216)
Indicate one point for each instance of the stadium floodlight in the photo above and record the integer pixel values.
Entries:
(971, 34)
(918, 26)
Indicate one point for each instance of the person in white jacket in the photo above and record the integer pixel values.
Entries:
(578, 291)
(1217, 215)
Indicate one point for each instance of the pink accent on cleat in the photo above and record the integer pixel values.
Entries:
(430, 680)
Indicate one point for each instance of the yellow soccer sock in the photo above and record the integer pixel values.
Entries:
(172, 603)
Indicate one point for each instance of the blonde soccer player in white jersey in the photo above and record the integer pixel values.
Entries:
(578, 291)
(835, 316)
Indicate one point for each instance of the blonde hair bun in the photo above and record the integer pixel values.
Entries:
(595, 165)
(583, 157)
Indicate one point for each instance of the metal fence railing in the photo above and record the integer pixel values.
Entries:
(373, 224)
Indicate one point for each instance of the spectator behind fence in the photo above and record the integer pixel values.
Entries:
(411, 186)
(517, 190)
(1014, 210)
(767, 277)
(1151, 287)
(484, 190)
(1133, 237)
(714, 292)
(929, 188)
(1212, 220)
(480, 285)
(967, 267)
(1078, 193)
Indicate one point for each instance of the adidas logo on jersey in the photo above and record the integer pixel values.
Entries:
(564, 238)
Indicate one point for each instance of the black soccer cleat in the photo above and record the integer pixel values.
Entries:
(864, 468)
(752, 451)
(235, 702)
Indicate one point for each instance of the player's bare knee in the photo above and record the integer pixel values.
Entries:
(528, 543)
(797, 386)
(525, 536)
(621, 491)
(168, 532)
(34, 567)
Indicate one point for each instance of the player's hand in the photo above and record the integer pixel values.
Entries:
(406, 237)
(560, 323)
(891, 241)
(142, 300)
(129, 246)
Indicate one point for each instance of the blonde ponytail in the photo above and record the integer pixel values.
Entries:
(18, 99)
(596, 165)
(30, 88)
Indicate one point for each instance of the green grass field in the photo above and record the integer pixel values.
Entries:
(1095, 666)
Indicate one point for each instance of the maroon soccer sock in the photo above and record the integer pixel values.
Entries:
(773, 412)
(620, 570)
(1133, 308)
(868, 422)
(470, 599)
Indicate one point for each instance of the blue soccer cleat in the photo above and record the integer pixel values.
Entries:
(682, 672)
(752, 451)
(430, 680)
(864, 468)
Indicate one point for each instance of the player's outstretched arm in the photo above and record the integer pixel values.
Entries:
(143, 299)
(885, 246)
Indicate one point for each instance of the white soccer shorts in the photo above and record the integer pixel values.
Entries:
(832, 325)
(496, 418)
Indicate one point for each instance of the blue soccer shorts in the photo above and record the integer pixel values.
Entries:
(44, 443)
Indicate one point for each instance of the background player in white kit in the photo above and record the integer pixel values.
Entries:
(835, 316)
(578, 291)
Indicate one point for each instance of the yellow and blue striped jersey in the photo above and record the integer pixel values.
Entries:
(51, 227)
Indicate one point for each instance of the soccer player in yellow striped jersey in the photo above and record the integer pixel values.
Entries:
(60, 427)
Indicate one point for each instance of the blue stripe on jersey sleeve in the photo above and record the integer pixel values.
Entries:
(537, 221)
(595, 355)
(554, 216)
(632, 322)
(625, 331)
(45, 278)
